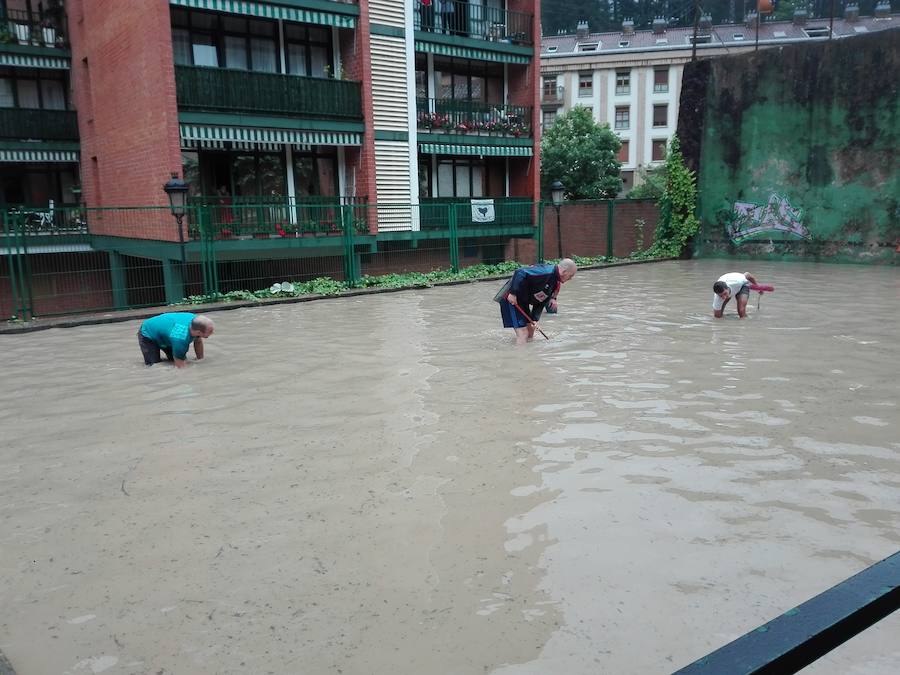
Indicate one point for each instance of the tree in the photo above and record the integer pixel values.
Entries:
(582, 154)
(653, 183)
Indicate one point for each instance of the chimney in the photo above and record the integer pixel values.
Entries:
(851, 12)
(628, 27)
(750, 20)
(705, 22)
(800, 16)
(581, 32)
(883, 10)
(659, 25)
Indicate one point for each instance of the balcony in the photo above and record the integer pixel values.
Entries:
(444, 115)
(237, 91)
(33, 28)
(43, 125)
(460, 18)
(509, 212)
(553, 96)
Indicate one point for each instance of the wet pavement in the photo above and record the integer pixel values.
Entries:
(388, 485)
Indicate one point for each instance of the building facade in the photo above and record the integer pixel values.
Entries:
(631, 80)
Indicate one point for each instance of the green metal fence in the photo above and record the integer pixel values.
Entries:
(74, 260)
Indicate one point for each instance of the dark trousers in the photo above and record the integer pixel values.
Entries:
(150, 350)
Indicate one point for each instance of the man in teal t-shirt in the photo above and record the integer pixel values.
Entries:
(173, 333)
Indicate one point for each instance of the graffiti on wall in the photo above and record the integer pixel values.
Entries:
(777, 215)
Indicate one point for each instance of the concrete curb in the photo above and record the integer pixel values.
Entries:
(133, 314)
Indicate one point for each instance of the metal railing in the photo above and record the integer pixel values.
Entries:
(222, 89)
(34, 28)
(458, 17)
(466, 116)
(31, 123)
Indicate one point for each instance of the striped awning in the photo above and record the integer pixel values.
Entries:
(470, 52)
(33, 61)
(485, 150)
(267, 11)
(39, 156)
(256, 136)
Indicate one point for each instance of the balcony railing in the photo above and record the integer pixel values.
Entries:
(224, 90)
(442, 115)
(507, 212)
(458, 17)
(44, 125)
(33, 28)
(279, 216)
(553, 95)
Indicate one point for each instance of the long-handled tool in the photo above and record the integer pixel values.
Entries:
(762, 288)
(530, 320)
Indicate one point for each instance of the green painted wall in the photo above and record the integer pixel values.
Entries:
(797, 150)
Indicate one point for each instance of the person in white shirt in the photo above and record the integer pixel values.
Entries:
(728, 285)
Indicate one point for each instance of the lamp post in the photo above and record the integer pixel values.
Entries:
(177, 190)
(557, 190)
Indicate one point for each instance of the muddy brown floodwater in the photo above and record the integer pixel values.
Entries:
(388, 485)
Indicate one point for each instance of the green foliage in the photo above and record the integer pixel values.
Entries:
(653, 183)
(582, 154)
(677, 206)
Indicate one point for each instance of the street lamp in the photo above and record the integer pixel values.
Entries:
(177, 190)
(557, 190)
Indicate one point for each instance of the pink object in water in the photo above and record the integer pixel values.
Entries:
(761, 287)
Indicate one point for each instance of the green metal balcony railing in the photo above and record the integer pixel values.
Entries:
(41, 28)
(459, 17)
(502, 211)
(465, 116)
(224, 90)
(30, 123)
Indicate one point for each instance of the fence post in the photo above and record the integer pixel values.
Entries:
(208, 265)
(540, 232)
(454, 239)
(19, 271)
(351, 272)
(610, 210)
(11, 264)
(118, 279)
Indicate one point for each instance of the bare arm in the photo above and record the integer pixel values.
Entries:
(198, 348)
(750, 278)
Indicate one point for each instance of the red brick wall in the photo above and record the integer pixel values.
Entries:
(584, 230)
(124, 88)
(357, 62)
(62, 284)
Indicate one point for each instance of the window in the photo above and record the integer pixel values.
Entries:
(662, 41)
(737, 37)
(315, 172)
(552, 49)
(586, 84)
(658, 150)
(308, 50)
(779, 34)
(550, 88)
(623, 81)
(661, 115)
(549, 118)
(701, 39)
(623, 153)
(461, 177)
(467, 80)
(624, 43)
(25, 88)
(623, 117)
(224, 41)
(588, 47)
(816, 31)
(661, 80)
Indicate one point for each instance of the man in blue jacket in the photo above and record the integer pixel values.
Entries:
(173, 333)
(531, 290)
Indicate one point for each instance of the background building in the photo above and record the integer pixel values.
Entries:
(631, 79)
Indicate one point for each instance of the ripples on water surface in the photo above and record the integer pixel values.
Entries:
(387, 484)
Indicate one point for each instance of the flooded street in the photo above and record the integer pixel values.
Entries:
(386, 484)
